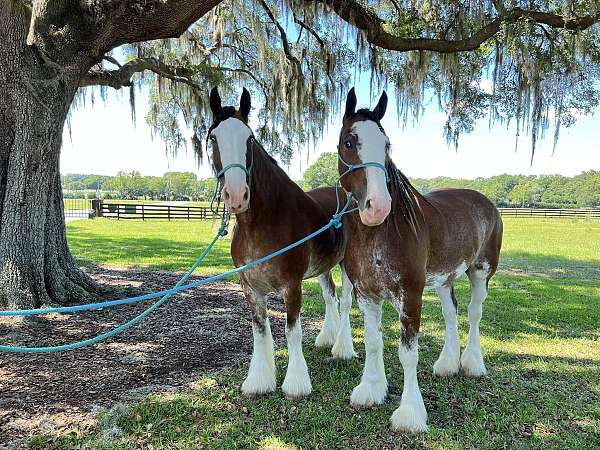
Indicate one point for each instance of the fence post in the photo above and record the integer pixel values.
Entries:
(188, 211)
(118, 211)
(169, 212)
(143, 215)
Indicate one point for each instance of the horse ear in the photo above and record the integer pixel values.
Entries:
(379, 110)
(215, 101)
(245, 104)
(350, 103)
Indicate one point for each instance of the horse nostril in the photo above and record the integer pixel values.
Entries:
(246, 192)
(368, 204)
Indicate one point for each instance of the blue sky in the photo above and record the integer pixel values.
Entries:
(104, 141)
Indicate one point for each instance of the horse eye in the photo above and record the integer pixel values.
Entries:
(213, 139)
(348, 144)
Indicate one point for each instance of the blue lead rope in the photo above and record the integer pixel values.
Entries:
(336, 222)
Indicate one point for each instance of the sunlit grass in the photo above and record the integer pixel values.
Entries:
(540, 334)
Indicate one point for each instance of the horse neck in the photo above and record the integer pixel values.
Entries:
(270, 188)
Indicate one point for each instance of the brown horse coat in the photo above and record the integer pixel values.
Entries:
(413, 241)
(271, 213)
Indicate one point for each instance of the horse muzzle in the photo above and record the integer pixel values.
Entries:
(236, 200)
(375, 211)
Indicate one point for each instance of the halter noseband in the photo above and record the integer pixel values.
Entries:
(355, 167)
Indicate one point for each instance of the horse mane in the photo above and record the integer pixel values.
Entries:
(263, 152)
(405, 201)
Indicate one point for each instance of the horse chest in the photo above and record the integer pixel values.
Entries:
(374, 272)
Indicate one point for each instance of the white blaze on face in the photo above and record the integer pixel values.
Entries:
(372, 145)
(232, 138)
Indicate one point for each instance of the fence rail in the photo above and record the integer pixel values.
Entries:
(80, 208)
(97, 208)
(157, 211)
(551, 213)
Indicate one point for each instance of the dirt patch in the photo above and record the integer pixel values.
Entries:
(201, 330)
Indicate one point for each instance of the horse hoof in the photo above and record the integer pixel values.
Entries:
(325, 339)
(368, 394)
(343, 352)
(472, 364)
(410, 418)
(253, 386)
(296, 384)
(446, 366)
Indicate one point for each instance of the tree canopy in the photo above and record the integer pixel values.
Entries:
(530, 63)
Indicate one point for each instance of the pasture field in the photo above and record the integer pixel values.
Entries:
(76, 203)
(540, 335)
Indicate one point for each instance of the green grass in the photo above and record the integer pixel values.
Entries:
(154, 244)
(540, 335)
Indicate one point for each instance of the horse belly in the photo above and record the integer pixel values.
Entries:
(441, 277)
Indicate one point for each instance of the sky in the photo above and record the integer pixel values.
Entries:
(104, 140)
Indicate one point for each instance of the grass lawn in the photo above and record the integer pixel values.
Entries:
(540, 334)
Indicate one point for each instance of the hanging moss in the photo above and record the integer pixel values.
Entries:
(538, 76)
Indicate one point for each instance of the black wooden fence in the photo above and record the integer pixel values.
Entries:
(179, 212)
(551, 213)
(156, 211)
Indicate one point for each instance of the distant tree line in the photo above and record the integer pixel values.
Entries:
(133, 186)
(552, 191)
(543, 191)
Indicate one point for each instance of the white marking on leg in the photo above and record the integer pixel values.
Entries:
(372, 389)
(448, 363)
(297, 381)
(472, 358)
(344, 346)
(329, 332)
(261, 375)
(411, 415)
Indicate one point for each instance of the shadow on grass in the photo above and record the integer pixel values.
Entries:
(554, 266)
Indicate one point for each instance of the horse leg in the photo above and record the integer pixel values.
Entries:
(472, 358)
(297, 381)
(326, 337)
(344, 347)
(411, 415)
(372, 389)
(448, 363)
(261, 375)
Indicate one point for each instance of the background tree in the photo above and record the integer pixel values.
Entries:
(544, 56)
(323, 172)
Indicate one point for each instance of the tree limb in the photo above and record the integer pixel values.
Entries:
(95, 27)
(373, 27)
(122, 77)
(287, 50)
(246, 72)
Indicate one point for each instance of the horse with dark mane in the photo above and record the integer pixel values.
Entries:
(271, 212)
(401, 242)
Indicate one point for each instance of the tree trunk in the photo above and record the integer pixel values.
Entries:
(36, 266)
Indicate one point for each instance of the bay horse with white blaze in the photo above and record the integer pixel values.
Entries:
(272, 212)
(401, 242)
